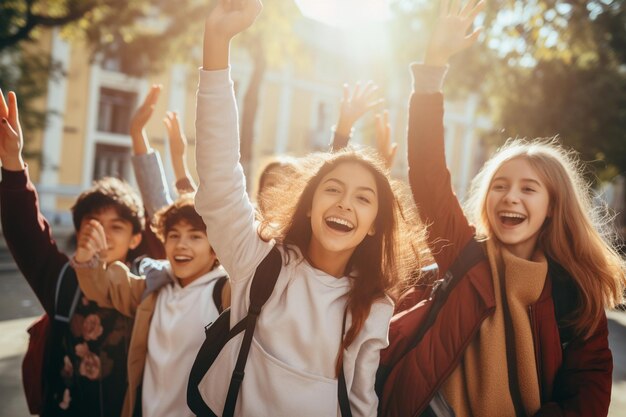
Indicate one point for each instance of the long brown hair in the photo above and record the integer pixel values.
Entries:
(382, 264)
(577, 235)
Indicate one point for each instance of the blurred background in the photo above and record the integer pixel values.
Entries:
(541, 68)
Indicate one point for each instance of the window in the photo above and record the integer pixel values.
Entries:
(111, 161)
(115, 110)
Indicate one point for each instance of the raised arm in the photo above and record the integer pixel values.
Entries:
(147, 163)
(352, 108)
(429, 176)
(221, 199)
(25, 229)
(178, 152)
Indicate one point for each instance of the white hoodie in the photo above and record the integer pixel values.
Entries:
(291, 366)
(175, 336)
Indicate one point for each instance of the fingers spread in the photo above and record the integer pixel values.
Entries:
(7, 128)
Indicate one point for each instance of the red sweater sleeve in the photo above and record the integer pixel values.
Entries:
(439, 209)
(29, 237)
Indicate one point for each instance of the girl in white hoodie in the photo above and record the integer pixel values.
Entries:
(342, 237)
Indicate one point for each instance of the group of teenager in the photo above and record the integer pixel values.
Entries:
(524, 332)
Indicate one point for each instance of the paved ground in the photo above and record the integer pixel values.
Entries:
(19, 307)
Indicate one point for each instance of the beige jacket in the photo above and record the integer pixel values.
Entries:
(116, 287)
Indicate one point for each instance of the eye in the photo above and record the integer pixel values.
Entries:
(498, 187)
(332, 189)
(117, 227)
(197, 236)
(172, 235)
(364, 199)
(528, 189)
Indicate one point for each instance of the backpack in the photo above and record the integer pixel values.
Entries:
(428, 300)
(219, 333)
(37, 355)
(432, 297)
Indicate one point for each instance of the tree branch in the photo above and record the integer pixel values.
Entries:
(35, 20)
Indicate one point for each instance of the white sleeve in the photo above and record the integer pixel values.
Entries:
(221, 198)
(375, 331)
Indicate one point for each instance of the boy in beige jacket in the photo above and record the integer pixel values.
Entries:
(169, 316)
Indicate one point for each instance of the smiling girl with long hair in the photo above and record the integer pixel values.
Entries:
(345, 244)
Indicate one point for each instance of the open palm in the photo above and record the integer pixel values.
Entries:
(450, 33)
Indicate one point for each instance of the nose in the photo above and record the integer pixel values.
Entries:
(511, 196)
(344, 203)
(182, 242)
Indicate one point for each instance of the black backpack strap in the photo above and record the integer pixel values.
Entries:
(261, 288)
(217, 293)
(67, 294)
(470, 255)
(344, 401)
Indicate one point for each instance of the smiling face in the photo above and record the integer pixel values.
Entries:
(189, 252)
(119, 233)
(343, 211)
(517, 206)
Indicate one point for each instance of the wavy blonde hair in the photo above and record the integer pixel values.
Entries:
(385, 263)
(577, 235)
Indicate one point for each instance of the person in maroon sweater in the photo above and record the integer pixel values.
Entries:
(501, 345)
(85, 370)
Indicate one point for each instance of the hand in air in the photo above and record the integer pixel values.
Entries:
(354, 106)
(386, 149)
(230, 17)
(11, 140)
(177, 139)
(144, 112)
(450, 33)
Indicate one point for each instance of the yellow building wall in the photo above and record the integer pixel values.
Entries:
(33, 140)
(75, 120)
(300, 123)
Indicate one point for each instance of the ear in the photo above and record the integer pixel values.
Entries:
(135, 240)
(372, 231)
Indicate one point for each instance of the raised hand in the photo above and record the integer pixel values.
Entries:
(227, 19)
(450, 33)
(92, 242)
(178, 151)
(177, 139)
(354, 106)
(141, 144)
(11, 140)
(386, 149)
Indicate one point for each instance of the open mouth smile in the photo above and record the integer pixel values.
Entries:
(339, 224)
(182, 259)
(509, 218)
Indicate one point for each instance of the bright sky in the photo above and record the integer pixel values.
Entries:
(344, 13)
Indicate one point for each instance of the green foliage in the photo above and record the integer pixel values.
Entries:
(27, 74)
(544, 68)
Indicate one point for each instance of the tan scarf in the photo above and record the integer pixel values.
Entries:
(479, 386)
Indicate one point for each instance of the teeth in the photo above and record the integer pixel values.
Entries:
(340, 221)
(513, 215)
(182, 258)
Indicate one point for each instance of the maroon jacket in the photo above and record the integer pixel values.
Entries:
(575, 379)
